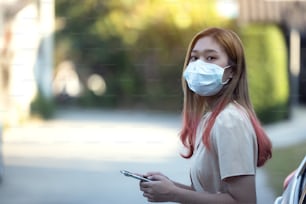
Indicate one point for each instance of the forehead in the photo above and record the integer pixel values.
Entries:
(207, 43)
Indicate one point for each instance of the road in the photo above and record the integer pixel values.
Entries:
(76, 157)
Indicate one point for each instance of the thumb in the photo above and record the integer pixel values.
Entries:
(157, 177)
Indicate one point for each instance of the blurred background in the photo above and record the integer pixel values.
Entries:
(129, 54)
(97, 68)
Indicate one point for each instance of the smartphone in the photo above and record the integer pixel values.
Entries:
(129, 174)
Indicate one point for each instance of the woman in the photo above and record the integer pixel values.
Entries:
(220, 131)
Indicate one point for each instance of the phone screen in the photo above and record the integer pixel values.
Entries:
(129, 174)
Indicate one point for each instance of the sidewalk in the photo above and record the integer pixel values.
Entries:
(289, 132)
(76, 157)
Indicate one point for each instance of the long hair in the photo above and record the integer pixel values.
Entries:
(195, 106)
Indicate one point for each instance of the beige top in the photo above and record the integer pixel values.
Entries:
(233, 150)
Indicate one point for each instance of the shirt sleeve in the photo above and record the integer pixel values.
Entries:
(234, 140)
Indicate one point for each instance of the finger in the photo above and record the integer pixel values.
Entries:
(152, 200)
(157, 178)
(146, 191)
(147, 195)
(151, 173)
(144, 184)
(142, 188)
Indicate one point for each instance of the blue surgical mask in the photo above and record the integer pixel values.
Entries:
(203, 78)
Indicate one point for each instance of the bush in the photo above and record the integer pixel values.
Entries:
(266, 58)
(42, 107)
(138, 53)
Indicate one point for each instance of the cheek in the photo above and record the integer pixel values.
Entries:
(222, 62)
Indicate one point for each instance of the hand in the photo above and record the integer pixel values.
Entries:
(154, 173)
(161, 189)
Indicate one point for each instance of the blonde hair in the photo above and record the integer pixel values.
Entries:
(195, 106)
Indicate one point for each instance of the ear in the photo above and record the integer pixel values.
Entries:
(231, 73)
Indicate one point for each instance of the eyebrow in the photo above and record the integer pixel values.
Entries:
(205, 51)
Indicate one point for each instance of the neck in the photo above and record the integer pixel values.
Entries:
(212, 101)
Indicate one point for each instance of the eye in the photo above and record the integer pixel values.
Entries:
(193, 58)
(210, 58)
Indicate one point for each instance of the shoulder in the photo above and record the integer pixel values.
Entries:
(232, 115)
(232, 122)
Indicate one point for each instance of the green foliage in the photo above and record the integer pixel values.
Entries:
(138, 47)
(42, 107)
(284, 161)
(267, 71)
(89, 99)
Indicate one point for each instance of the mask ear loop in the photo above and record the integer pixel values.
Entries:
(228, 66)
